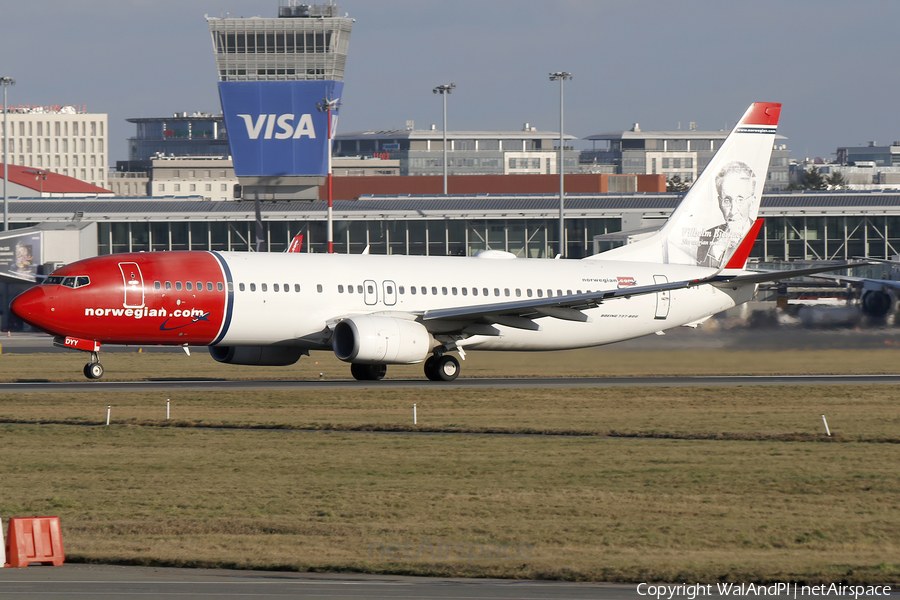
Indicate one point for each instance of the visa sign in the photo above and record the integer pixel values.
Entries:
(275, 127)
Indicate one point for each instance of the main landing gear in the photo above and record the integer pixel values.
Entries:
(93, 370)
(442, 367)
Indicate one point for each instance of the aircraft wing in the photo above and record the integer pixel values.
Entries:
(477, 319)
(763, 276)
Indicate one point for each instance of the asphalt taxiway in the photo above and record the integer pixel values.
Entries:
(152, 583)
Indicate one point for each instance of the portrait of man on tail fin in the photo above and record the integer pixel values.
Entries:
(737, 199)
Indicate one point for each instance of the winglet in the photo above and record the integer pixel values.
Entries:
(742, 253)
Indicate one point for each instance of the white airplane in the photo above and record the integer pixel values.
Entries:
(373, 311)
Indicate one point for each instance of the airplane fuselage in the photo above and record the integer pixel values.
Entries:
(250, 299)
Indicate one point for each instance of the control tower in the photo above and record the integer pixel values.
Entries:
(279, 80)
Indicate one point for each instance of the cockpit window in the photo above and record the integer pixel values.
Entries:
(69, 282)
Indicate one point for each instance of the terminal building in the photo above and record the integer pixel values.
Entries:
(66, 140)
(671, 153)
(421, 151)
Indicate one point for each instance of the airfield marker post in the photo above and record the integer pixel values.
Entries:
(415, 419)
(108, 410)
(827, 431)
(167, 409)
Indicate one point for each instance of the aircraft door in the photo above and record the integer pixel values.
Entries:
(662, 298)
(371, 292)
(134, 284)
(390, 293)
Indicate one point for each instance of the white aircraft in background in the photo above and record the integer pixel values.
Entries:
(373, 311)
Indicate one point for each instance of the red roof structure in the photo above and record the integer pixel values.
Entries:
(43, 181)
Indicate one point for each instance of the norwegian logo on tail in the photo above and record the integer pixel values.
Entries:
(720, 209)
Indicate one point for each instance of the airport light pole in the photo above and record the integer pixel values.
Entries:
(443, 90)
(327, 106)
(561, 76)
(5, 82)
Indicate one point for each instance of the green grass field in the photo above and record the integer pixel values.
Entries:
(241, 481)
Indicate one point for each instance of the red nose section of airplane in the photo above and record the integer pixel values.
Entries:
(138, 298)
(30, 306)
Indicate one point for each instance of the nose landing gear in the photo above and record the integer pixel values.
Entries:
(93, 370)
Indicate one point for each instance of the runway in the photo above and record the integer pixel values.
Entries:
(472, 383)
(152, 583)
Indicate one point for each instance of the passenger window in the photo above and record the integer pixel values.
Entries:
(359, 289)
(241, 286)
(370, 289)
(156, 285)
(168, 285)
(528, 292)
(424, 291)
(230, 287)
(474, 291)
(319, 288)
(401, 290)
(199, 286)
(219, 286)
(189, 286)
(82, 281)
(209, 286)
(559, 292)
(485, 291)
(434, 290)
(497, 291)
(454, 291)
(178, 285)
(506, 291)
(275, 287)
(296, 287)
(577, 291)
(444, 290)
(390, 289)
(412, 290)
(569, 292)
(252, 287)
(549, 293)
(340, 289)
(540, 293)
(264, 287)
(287, 287)
(518, 293)
(349, 289)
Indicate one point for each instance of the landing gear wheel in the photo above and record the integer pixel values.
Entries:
(362, 372)
(431, 371)
(93, 370)
(446, 368)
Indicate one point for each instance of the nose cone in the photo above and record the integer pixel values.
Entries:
(30, 306)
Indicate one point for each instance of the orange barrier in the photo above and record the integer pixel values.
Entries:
(34, 540)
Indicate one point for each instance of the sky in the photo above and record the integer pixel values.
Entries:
(658, 63)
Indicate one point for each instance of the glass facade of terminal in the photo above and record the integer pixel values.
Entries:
(783, 238)
(532, 238)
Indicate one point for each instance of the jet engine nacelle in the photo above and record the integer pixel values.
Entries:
(875, 303)
(368, 339)
(268, 356)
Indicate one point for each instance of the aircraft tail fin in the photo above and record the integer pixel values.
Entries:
(718, 212)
